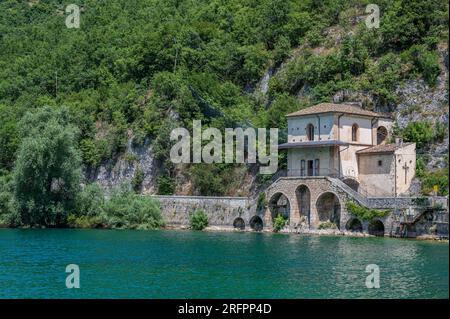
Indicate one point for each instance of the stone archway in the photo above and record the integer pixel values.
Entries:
(382, 134)
(256, 223)
(239, 223)
(279, 205)
(376, 228)
(329, 208)
(303, 196)
(354, 225)
(352, 183)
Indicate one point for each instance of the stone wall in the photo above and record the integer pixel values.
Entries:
(221, 211)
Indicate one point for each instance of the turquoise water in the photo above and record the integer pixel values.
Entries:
(184, 264)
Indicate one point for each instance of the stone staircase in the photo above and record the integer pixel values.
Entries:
(362, 200)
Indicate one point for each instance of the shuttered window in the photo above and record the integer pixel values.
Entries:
(302, 168)
(316, 167)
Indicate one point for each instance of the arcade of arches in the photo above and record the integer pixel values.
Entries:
(307, 203)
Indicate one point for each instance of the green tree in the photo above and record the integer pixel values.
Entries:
(48, 167)
(9, 136)
(90, 200)
(166, 185)
(8, 213)
(88, 211)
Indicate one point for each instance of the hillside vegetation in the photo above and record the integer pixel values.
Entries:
(136, 69)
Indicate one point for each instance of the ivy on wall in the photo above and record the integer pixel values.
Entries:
(365, 213)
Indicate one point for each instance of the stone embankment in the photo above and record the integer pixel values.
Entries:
(241, 214)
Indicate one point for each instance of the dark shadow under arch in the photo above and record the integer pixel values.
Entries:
(239, 223)
(329, 208)
(303, 196)
(256, 223)
(376, 228)
(352, 183)
(279, 205)
(355, 225)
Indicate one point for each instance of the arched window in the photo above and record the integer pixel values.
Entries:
(355, 132)
(310, 132)
(382, 134)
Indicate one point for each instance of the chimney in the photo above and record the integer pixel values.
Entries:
(398, 141)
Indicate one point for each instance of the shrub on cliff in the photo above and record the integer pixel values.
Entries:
(207, 179)
(166, 185)
(439, 178)
(199, 220)
(419, 132)
(425, 62)
(137, 180)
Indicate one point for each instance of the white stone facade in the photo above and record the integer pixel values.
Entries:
(334, 140)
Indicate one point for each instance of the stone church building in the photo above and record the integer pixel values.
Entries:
(338, 153)
(350, 143)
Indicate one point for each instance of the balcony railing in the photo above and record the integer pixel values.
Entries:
(313, 172)
(330, 173)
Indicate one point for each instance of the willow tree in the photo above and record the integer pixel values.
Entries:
(48, 167)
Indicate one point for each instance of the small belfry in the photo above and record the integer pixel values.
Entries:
(349, 143)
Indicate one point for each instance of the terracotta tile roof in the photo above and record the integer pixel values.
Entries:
(336, 108)
(383, 148)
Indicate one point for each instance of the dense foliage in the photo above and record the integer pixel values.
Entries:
(126, 209)
(47, 171)
(364, 213)
(122, 210)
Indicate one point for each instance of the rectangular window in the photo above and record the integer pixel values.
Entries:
(316, 167)
(302, 168)
(310, 168)
(380, 163)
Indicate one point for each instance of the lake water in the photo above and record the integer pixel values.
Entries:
(185, 264)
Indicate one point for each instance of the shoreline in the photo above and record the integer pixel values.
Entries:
(230, 229)
(310, 232)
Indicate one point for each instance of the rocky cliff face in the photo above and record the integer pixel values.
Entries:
(419, 102)
(124, 168)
